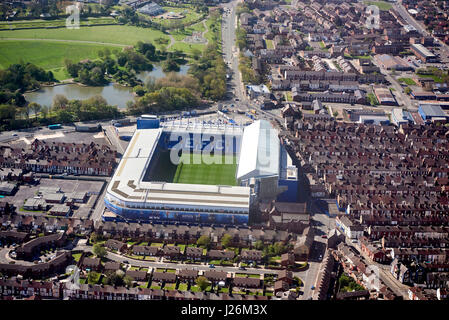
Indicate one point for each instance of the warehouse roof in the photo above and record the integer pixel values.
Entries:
(432, 110)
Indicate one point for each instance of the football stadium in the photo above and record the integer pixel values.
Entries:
(188, 172)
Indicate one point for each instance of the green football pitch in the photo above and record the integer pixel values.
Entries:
(192, 170)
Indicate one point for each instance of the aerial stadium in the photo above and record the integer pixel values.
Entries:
(178, 172)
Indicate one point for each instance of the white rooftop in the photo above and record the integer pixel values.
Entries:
(260, 151)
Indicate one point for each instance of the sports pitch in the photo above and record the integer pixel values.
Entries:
(192, 172)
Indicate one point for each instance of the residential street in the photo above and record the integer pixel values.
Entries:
(201, 267)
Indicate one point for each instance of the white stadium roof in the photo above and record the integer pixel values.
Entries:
(126, 185)
(260, 151)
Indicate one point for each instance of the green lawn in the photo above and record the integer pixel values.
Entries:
(76, 256)
(188, 171)
(157, 244)
(189, 16)
(323, 46)
(169, 286)
(40, 23)
(150, 259)
(182, 247)
(210, 34)
(288, 96)
(182, 287)
(243, 275)
(187, 47)
(121, 35)
(269, 44)
(407, 81)
(195, 288)
(383, 6)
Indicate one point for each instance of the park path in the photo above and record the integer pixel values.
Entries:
(205, 31)
(69, 41)
(172, 41)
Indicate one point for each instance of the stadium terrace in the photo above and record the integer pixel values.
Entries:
(248, 164)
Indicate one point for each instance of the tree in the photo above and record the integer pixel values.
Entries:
(259, 245)
(128, 281)
(335, 114)
(204, 241)
(99, 251)
(100, 53)
(226, 240)
(115, 278)
(139, 90)
(202, 282)
(196, 54)
(59, 102)
(93, 277)
(35, 107)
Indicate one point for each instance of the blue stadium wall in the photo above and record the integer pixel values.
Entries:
(147, 123)
(290, 195)
(177, 216)
(194, 146)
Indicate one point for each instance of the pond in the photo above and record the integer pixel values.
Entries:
(113, 93)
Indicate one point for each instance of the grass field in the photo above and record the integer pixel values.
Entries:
(46, 54)
(383, 6)
(123, 35)
(52, 23)
(407, 81)
(213, 174)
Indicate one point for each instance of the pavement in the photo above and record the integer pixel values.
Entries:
(5, 258)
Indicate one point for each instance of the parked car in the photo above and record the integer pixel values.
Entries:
(211, 266)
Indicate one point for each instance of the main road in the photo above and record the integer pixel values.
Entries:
(231, 57)
(410, 20)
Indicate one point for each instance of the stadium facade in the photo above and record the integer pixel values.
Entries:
(146, 187)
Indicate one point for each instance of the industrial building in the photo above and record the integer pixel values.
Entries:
(432, 113)
(384, 96)
(389, 62)
(149, 186)
(400, 116)
(423, 53)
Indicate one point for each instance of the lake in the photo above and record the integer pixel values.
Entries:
(113, 93)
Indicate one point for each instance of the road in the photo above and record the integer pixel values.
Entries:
(384, 274)
(410, 20)
(322, 223)
(231, 57)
